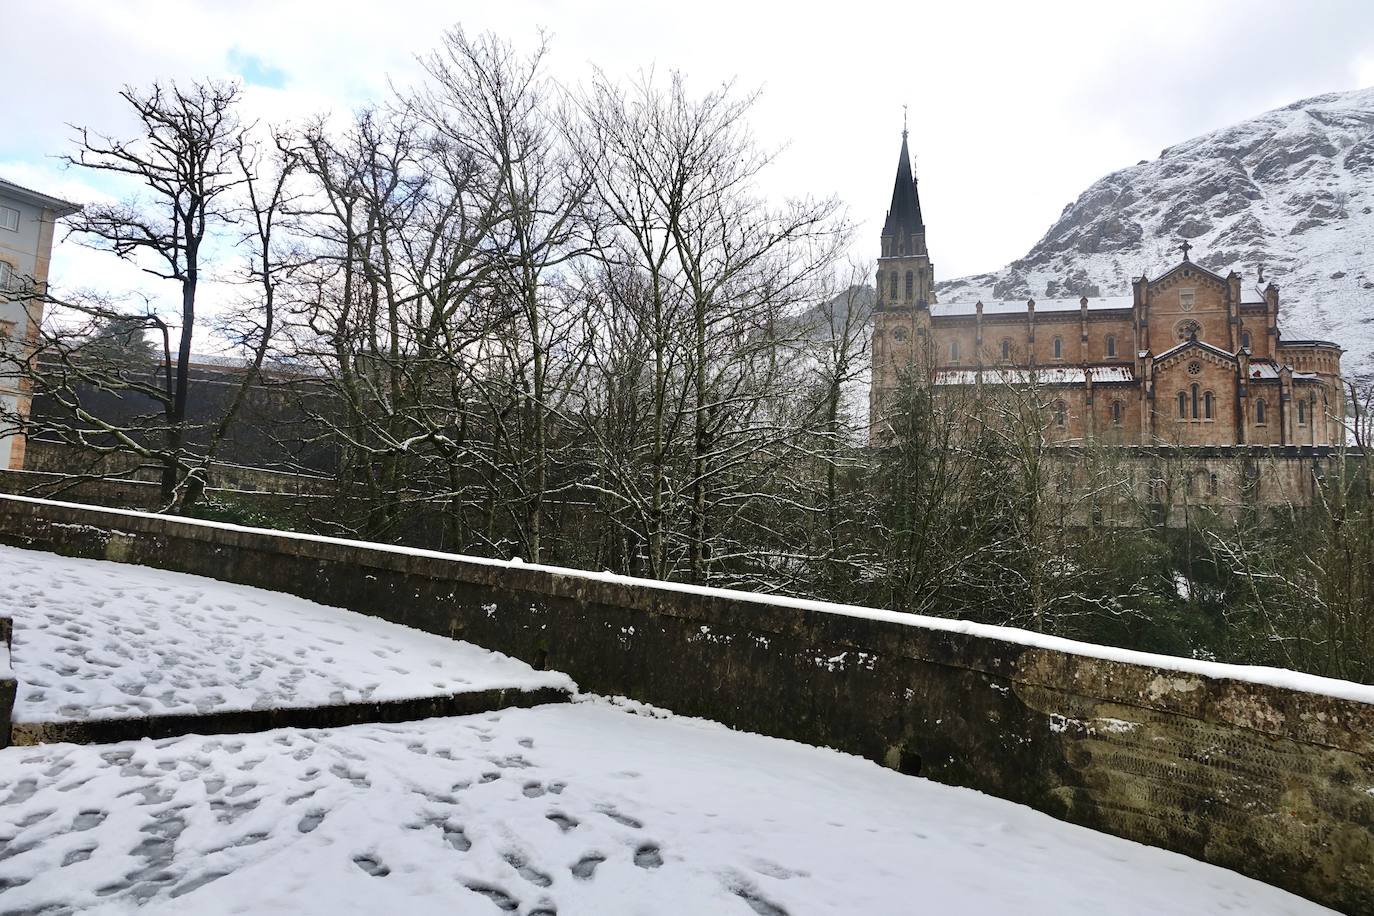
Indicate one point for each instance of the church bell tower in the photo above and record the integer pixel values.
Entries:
(906, 278)
(905, 285)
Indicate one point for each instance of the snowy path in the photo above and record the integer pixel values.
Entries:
(94, 639)
(567, 809)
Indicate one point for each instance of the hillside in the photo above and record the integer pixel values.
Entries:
(1291, 189)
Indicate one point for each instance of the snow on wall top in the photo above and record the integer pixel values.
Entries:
(970, 307)
(1254, 674)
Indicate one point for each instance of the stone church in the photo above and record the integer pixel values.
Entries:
(1189, 360)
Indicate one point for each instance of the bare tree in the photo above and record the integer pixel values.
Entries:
(186, 156)
(498, 107)
(676, 177)
(189, 160)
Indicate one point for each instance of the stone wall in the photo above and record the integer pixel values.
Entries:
(134, 493)
(1221, 763)
(7, 683)
(66, 460)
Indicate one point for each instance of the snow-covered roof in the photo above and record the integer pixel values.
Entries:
(955, 309)
(1044, 375)
(1267, 370)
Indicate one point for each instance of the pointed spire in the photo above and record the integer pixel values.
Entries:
(904, 215)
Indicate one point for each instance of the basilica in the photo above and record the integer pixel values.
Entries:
(1189, 360)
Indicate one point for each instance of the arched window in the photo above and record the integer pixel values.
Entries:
(1207, 405)
(1196, 399)
(1302, 413)
(1006, 350)
(892, 285)
(910, 283)
(1111, 346)
(1182, 406)
(1061, 413)
(1245, 339)
(1058, 348)
(1213, 485)
(1116, 413)
(1259, 412)
(954, 351)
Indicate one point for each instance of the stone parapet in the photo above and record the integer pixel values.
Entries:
(1265, 772)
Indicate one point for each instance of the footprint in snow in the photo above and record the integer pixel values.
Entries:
(648, 856)
(618, 817)
(585, 867)
(522, 867)
(503, 901)
(372, 865)
(564, 822)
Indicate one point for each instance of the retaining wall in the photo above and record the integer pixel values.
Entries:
(1268, 773)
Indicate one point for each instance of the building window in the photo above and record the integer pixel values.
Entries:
(910, 283)
(1213, 485)
(892, 285)
(954, 351)
(1259, 412)
(6, 276)
(1245, 339)
(1196, 399)
(1111, 346)
(1187, 330)
(899, 333)
(1302, 413)
(1207, 405)
(1061, 413)
(1116, 413)
(1182, 406)
(1058, 348)
(1006, 351)
(9, 219)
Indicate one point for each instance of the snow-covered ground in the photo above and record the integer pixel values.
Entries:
(573, 809)
(94, 639)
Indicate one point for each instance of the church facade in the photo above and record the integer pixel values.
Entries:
(1189, 360)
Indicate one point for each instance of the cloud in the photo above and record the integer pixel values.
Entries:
(1015, 107)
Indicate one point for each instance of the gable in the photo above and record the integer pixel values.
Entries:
(1194, 351)
(1186, 273)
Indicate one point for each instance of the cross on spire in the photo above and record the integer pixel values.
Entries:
(903, 122)
(1185, 248)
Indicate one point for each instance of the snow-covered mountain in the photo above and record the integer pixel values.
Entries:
(1292, 189)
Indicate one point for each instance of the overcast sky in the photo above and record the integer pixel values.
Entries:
(1015, 107)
